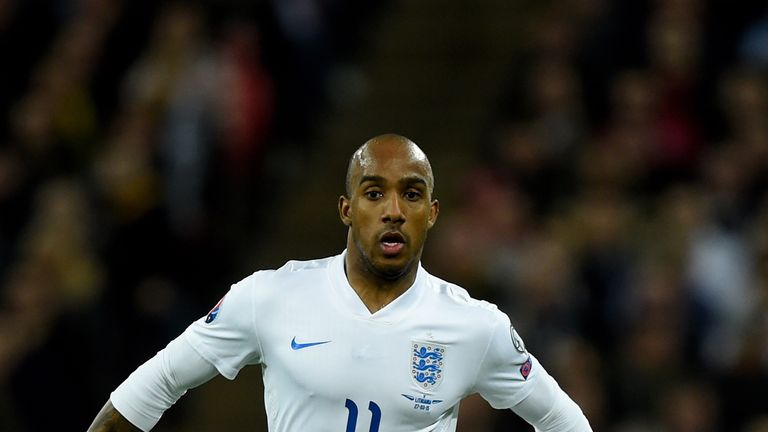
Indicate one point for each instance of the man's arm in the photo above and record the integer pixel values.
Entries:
(549, 409)
(138, 403)
(510, 377)
(110, 420)
(222, 343)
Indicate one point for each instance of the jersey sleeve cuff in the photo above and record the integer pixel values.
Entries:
(140, 419)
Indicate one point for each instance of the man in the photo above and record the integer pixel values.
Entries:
(363, 341)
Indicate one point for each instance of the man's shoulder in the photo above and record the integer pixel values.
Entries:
(292, 267)
(453, 296)
(293, 272)
(298, 266)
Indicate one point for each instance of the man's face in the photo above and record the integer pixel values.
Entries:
(389, 209)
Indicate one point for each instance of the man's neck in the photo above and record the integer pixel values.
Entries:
(374, 291)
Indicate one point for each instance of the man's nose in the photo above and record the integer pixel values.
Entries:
(393, 211)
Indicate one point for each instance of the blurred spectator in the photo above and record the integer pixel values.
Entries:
(51, 293)
(720, 268)
(753, 47)
(690, 407)
(642, 239)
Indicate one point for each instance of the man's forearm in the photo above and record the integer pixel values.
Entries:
(110, 420)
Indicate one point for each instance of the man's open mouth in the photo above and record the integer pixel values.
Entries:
(392, 243)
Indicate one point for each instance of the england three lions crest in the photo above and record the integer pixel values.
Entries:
(427, 364)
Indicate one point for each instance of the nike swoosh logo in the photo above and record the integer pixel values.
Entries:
(297, 346)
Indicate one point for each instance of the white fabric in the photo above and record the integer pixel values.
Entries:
(159, 383)
(331, 365)
(549, 409)
(367, 358)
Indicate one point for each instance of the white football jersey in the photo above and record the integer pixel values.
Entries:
(331, 365)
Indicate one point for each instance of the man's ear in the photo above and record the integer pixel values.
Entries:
(345, 211)
(434, 210)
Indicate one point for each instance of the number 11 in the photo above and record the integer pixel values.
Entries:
(352, 417)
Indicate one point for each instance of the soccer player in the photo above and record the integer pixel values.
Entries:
(366, 340)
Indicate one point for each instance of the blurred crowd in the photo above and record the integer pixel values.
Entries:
(132, 147)
(620, 212)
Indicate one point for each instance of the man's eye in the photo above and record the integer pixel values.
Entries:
(412, 195)
(374, 195)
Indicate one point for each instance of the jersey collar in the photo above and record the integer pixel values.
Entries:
(348, 300)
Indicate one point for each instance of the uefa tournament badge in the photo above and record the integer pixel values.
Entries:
(427, 364)
(517, 342)
(214, 312)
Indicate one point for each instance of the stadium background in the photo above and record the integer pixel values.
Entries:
(601, 167)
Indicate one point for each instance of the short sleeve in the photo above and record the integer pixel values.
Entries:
(507, 372)
(227, 337)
